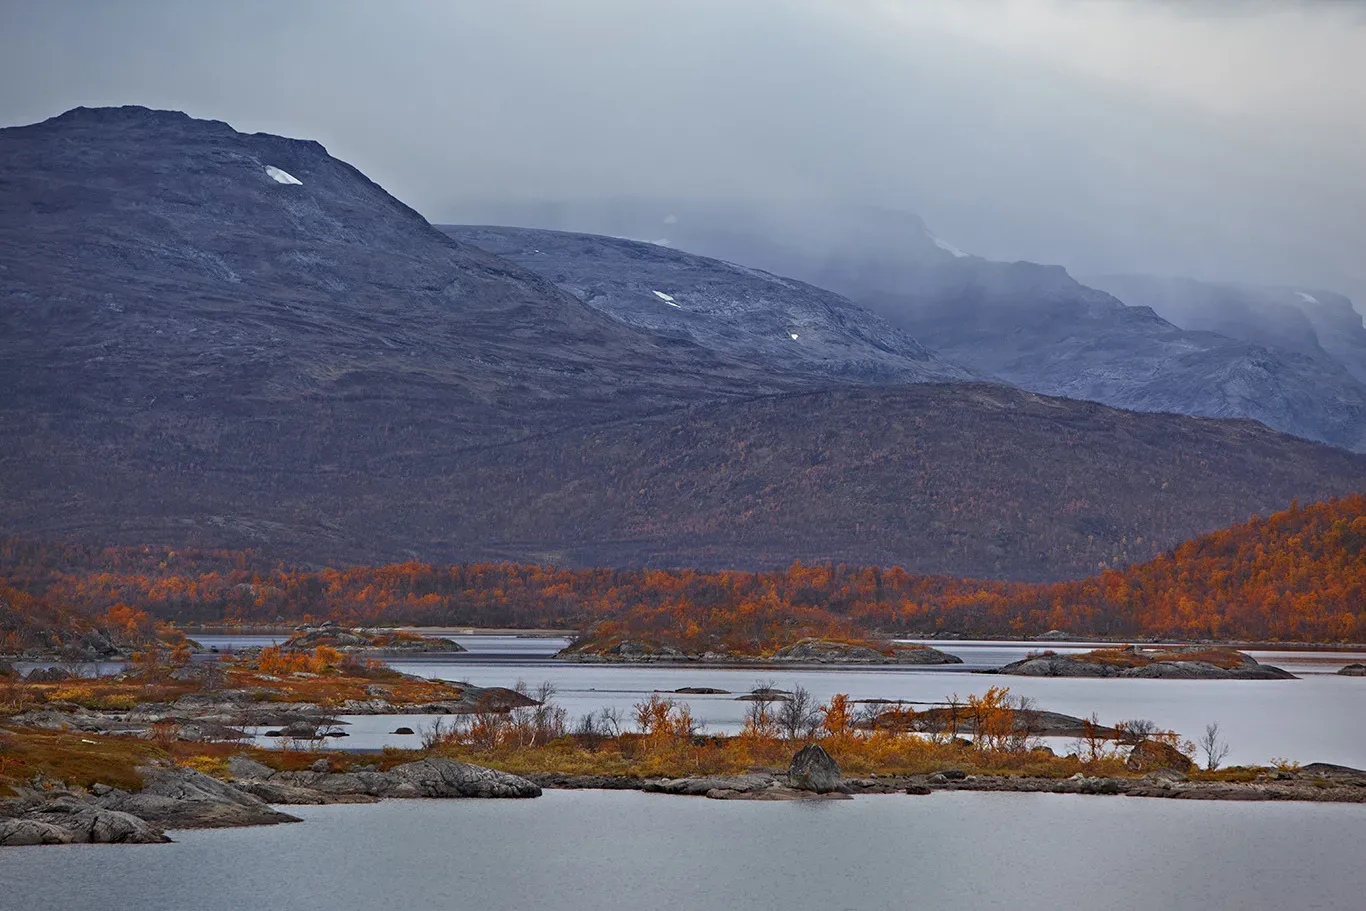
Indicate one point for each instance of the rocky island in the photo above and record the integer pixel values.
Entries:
(808, 650)
(1191, 663)
(379, 643)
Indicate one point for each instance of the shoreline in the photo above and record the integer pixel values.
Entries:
(1311, 789)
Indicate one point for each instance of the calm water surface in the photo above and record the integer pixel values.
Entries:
(578, 851)
(1314, 719)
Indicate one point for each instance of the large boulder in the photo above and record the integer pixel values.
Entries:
(1354, 670)
(812, 769)
(1153, 755)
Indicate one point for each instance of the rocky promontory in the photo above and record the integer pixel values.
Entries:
(1133, 661)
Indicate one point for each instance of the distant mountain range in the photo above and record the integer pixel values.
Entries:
(228, 339)
(1027, 324)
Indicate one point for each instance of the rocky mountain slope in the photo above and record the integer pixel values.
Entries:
(1038, 328)
(1030, 325)
(752, 316)
(1317, 323)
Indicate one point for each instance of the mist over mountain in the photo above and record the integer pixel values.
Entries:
(1311, 321)
(1028, 324)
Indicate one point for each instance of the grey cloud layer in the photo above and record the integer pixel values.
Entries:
(1210, 138)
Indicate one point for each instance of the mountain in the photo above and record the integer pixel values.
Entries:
(741, 313)
(1317, 323)
(1028, 324)
(222, 339)
(195, 322)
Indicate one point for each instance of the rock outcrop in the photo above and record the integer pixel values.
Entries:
(66, 820)
(431, 777)
(175, 797)
(812, 769)
(1353, 670)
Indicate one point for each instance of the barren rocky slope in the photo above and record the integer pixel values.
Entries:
(753, 316)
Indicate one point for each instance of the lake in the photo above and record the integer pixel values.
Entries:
(598, 851)
(1314, 719)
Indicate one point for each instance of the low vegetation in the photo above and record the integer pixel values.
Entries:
(1299, 575)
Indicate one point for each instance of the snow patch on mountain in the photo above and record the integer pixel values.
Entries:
(281, 176)
(667, 298)
(1307, 298)
(945, 246)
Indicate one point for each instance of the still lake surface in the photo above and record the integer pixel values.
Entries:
(576, 851)
(1314, 719)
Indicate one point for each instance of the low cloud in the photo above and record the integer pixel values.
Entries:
(1216, 139)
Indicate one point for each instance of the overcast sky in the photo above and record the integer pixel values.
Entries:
(1215, 138)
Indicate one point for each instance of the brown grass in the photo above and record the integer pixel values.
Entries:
(87, 759)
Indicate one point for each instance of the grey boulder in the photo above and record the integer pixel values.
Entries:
(812, 769)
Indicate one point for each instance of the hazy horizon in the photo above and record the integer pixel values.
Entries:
(1209, 139)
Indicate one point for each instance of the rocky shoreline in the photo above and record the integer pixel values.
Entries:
(1318, 783)
(175, 797)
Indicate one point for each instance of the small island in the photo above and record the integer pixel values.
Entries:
(1179, 663)
(806, 650)
(382, 643)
